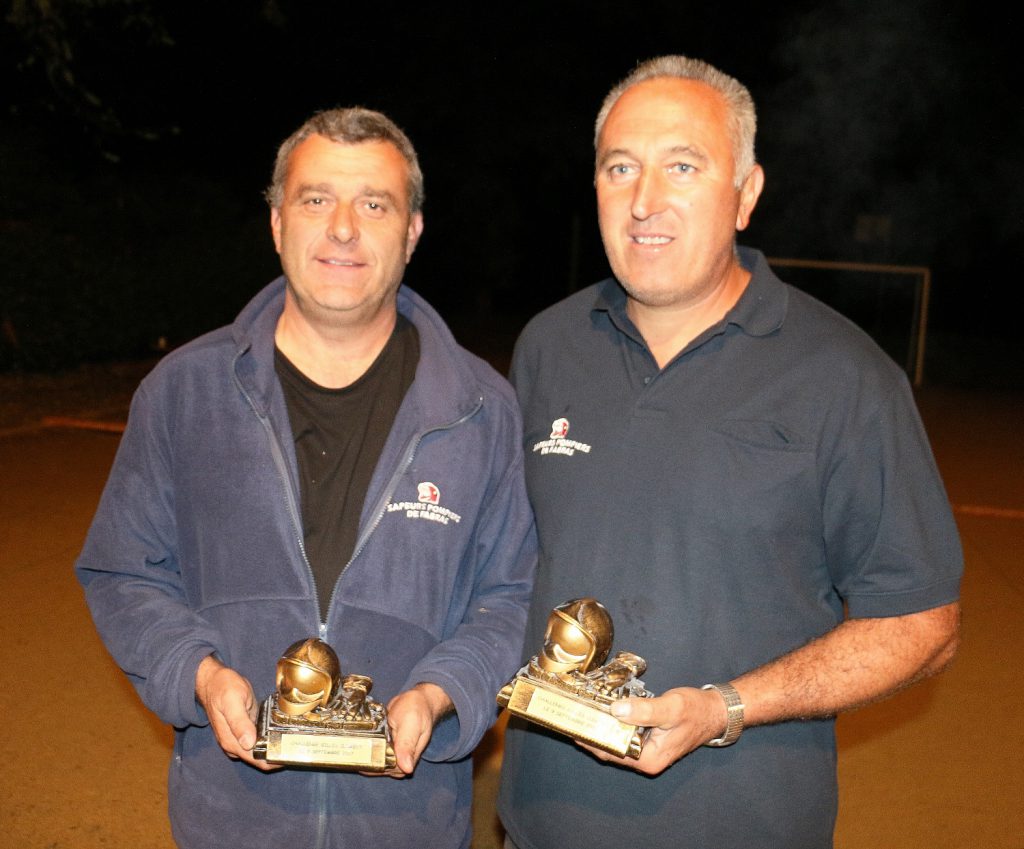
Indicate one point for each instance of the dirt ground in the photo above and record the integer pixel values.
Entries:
(99, 393)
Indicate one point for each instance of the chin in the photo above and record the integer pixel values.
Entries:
(653, 295)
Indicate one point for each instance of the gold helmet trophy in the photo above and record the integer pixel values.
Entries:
(319, 718)
(568, 687)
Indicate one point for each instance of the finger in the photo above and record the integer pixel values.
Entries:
(233, 748)
(229, 716)
(260, 764)
(635, 711)
(392, 772)
(646, 764)
(243, 730)
(664, 711)
(410, 731)
(226, 737)
(408, 743)
(230, 706)
(411, 724)
(222, 732)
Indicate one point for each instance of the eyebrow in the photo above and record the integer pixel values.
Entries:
(327, 189)
(384, 194)
(675, 150)
(314, 188)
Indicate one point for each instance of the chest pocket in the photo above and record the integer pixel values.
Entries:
(771, 436)
(757, 474)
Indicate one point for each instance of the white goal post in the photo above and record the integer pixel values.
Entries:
(914, 363)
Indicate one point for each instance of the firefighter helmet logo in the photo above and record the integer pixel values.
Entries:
(559, 428)
(427, 493)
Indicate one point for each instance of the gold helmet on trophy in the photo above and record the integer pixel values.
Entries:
(308, 676)
(579, 636)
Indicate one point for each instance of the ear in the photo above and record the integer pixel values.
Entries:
(750, 191)
(275, 226)
(413, 234)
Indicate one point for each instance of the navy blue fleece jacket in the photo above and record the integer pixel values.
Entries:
(197, 548)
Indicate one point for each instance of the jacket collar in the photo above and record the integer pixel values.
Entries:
(445, 388)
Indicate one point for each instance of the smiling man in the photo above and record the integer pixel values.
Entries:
(331, 465)
(745, 485)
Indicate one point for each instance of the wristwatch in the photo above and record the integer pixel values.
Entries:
(734, 714)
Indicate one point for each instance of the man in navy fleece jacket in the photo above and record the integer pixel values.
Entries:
(332, 464)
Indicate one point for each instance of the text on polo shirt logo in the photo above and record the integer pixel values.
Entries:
(557, 442)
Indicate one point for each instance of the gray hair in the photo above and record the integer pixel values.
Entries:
(348, 126)
(742, 115)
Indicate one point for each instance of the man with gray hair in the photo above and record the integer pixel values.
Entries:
(742, 479)
(332, 465)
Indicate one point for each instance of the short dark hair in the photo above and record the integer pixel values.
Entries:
(348, 126)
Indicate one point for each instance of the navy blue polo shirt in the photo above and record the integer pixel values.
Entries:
(725, 509)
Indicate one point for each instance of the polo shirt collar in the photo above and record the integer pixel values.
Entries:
(760, 310)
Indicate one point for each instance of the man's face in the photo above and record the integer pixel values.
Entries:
(344, 231)
(667, 203)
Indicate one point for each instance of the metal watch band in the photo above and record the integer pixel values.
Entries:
(734, 712)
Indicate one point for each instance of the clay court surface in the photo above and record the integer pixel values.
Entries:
(84, 763)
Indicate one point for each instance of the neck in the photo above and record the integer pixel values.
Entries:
(332, 356)
(668, 329)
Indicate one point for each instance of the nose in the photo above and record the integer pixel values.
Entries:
(342, 226)
(648, 194)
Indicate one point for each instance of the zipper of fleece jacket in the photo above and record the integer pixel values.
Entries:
(289, 491)
(410, 453)
(389, 490)
(320, 779)
(382, 503)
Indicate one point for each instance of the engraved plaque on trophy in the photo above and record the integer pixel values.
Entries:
(567, 689)
(319, 718)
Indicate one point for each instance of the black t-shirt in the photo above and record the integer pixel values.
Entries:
(339, 435)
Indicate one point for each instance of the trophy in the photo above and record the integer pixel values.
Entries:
(319, 718)
(567, 689)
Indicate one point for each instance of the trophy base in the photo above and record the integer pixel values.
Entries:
(579, 718)
(320, 745)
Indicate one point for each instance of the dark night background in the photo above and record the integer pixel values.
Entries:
(138, 136)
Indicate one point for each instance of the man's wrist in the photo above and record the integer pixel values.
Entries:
(734, 709)
(437, 699)
(207, 667)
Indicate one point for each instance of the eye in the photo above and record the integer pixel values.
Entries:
(374, 208)
(620, 172)
(681, 168)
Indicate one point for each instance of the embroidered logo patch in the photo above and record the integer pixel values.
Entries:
(559, 428)
(426, 506)
(557, 442)
(428, 493)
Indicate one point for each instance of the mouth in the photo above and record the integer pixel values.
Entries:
(651, 241)
(340, 263)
